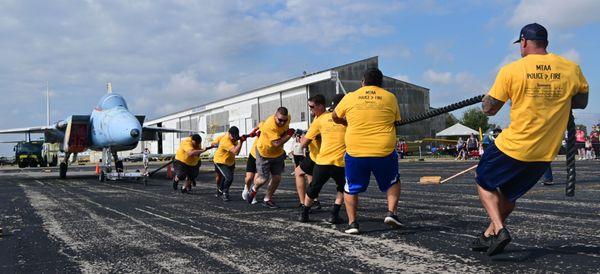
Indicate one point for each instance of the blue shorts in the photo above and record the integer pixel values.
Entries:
(358, 172)
(498, 171)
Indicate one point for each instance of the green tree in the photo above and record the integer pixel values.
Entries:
(475, 118)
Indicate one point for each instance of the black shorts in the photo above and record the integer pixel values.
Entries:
(183, 171)
(298, 159)
(251, 164)
(307, 165)
(322, 175)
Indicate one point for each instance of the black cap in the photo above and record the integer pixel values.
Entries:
(235, 132)
(533, 31)
(197, 138)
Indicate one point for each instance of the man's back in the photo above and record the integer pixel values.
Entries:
(540, 87)
(371, 112)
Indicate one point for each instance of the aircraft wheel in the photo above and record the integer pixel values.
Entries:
(63, 170)
(119, 166)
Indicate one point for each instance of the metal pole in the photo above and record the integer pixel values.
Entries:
(47, 104)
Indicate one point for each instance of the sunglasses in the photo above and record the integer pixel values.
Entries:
(282, 120)
(311, 106)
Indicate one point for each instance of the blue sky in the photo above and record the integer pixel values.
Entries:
(165, 56)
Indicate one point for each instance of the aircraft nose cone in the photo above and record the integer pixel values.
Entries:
(134, 133)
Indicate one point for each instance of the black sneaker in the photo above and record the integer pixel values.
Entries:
(184, 190)
(498, 242)
(304, 215)
(335, 219)
(316, 205)
(226, 197)
(481, 243)
(392, 220)
(270, 204)
(352, 229)
(219, 193)
(251, 195)
(194, 183)
(548, 183)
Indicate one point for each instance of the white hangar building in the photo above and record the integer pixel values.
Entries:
(246, 109)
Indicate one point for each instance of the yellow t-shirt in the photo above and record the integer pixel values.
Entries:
(333, 145)
(182, 152)
(540, 88)
(223, 155)
(314, 147)
(269, 131)
(371, 112)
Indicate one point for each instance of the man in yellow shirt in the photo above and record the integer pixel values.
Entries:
(269, 153)
(543, 88)
(329, 163)
(370, 113)
(228, 147)
(316, 105)
(187, 162)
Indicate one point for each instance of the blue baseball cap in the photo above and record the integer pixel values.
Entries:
(533, 31)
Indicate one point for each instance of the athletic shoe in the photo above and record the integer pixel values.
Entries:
(219, 193)
(184, 190)
(270, 204)
(194, 183)
(336, 219)
(352, 229)
(175, 183)
(254, 201)
(548, 183)
(304, 215)
(481, 243)
(498, 242)
(392, 220)
(245, 194)
(226, 197)
(316, 205)
(251, 196)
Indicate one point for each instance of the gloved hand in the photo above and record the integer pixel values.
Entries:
(290, 132)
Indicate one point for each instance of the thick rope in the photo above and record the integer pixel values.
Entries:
(571, 152)
(440, 111)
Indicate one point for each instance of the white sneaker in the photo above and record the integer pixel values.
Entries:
(254, 201)
(245, 194)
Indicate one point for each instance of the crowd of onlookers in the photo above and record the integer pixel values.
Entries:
(588, 146)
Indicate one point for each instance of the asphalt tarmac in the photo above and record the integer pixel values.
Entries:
(83, 225)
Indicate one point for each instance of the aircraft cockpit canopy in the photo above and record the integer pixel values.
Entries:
(112, 100)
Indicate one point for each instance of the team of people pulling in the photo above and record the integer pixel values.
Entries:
(356, 137)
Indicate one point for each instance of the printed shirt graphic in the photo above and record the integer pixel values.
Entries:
(333, 144)
(540, 88)
(223, 155)
(371, 112)
(269, 132)
(182, 152)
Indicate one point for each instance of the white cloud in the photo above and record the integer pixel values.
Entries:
(402, 77)
(435, 77)
(572, 55)
(556, 13)
(439, 52)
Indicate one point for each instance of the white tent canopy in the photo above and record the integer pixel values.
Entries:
(456, 130)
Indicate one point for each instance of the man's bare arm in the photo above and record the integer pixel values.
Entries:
(339, 120)
(491, 105)
(304, 142)
(579, 101)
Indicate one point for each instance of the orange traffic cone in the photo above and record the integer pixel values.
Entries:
(169, 172)
(97, 168)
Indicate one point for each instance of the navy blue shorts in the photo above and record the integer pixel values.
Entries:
(358, 172)
(498, 171)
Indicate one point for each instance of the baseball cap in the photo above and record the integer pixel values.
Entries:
(533, 31)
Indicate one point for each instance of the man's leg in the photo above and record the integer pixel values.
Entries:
(273, 185)
(491, 202)
(506, 207)
(393, 195)
(300, 185)
(351, 202)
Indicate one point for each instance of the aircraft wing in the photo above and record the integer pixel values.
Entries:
(151, 133)
(40, 129)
